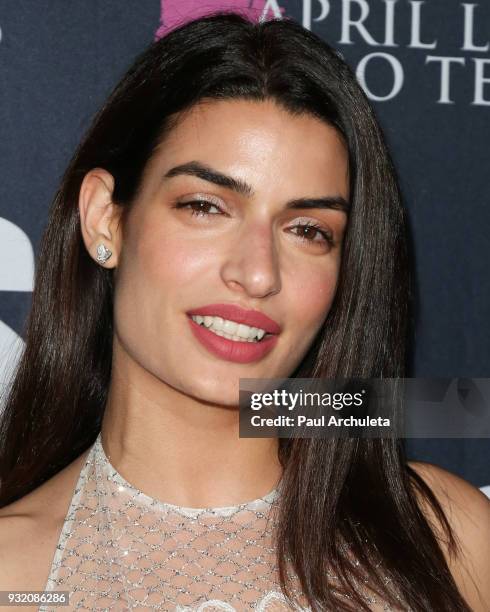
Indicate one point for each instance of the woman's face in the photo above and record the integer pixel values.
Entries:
(214, 224)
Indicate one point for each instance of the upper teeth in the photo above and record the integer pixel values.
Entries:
(230, 328)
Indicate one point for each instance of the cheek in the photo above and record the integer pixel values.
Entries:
(161, 270)
(311, 293)
(170, 260)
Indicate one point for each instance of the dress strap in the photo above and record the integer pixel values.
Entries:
(67, 524)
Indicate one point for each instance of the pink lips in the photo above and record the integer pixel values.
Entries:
(253, 318)
(231, 350)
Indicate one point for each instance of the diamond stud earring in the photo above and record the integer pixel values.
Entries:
(103, 253)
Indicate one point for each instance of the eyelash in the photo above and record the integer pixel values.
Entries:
(200, 213)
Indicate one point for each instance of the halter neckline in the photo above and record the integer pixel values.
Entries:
(123, 485)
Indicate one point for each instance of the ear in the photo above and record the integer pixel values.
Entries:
(99, 216)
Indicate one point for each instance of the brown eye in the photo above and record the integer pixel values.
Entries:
(309, 232)
(199, 207)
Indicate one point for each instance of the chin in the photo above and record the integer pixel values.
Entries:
(212, 390)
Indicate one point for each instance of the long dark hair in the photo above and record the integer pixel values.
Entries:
(335, 492)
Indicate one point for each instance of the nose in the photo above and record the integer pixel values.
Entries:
(252, 262)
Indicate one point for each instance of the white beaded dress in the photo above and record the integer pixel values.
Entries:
(120, 549)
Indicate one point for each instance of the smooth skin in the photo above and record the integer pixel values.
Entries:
(170, 426)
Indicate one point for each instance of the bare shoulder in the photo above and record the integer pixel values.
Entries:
(468, 512)
(30, 528)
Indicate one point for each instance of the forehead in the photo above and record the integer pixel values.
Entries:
(260, 142)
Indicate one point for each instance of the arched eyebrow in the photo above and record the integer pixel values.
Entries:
(206, 173)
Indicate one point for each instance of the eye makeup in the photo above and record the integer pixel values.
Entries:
(309, 231)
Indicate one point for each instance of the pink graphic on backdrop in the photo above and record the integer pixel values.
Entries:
(176, 12)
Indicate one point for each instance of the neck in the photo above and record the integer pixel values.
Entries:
(180, 450)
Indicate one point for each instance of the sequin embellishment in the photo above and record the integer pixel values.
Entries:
(120, 549)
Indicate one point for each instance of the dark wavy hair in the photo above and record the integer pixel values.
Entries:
(335, 490)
